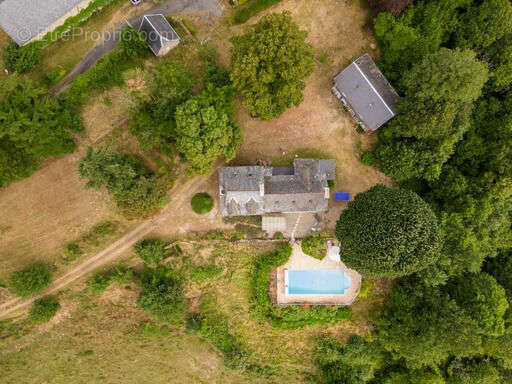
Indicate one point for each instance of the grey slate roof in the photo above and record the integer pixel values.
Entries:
(25, 19)
(256, 190)
(157, 30)
(367, 92)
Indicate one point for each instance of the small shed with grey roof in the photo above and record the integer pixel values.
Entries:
(28, 20)
(159, 34)
(366, 93)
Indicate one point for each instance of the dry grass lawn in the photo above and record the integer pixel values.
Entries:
(98, 339)
(44, 212)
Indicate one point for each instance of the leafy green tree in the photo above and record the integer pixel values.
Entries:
(422, 29)
(133, 44)
(162, 294)
(477, 371)
(474, 188)
(151, 251)
(500, 63)
(387, 232)
(269, 64)
(483, 299)
(501, 269)
(436, 89)
(30, 280)
(353, 363)
(425, 326)
(153, 124)
(134, 187)
(37, 124)
(402, 375)
(44, 309)
(433, 114)
(204, 132)
(15, 164)
(22, 59)
(483, 23)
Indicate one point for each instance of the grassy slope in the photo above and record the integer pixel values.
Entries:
(99, 339)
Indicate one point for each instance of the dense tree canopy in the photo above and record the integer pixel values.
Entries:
(133, 186)
(483, 299)
(32, 126)
(433, 114)
(269, 64)
(483, 23)
(450, 323)
(153, 123)
(162, 294)
(205, 132)
(386, 232)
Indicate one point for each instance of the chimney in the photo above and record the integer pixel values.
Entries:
(262, 189)
(327, 193)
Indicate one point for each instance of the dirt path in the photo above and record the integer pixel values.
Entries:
(172, 211)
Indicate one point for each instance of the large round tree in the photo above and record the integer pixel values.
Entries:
(269, 64)
(387, 232)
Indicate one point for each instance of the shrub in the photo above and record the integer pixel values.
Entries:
(366, 288)
(135, 189)
(116, 275)
(44, 309)
(22, 59)
(31, 280)
(315, 246)
(202, 203)
(278, 236)
(108, 72)
(289, 317)
(162, 294)
(367, 158)
(73, 250)
(151, 251)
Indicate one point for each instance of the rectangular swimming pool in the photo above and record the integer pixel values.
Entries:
(316, 282)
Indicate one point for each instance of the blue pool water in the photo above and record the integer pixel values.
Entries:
(324, 282)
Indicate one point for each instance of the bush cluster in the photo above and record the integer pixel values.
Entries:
(162, 294)
(21, 59)
(151, 251)
(108, 72)
(116, 275)
(31, 280)
(135, 189)
(44, 309)
(315, 245)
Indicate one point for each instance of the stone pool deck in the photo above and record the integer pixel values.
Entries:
(300, 261)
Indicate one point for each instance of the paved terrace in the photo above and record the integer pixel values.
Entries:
(300, 261)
